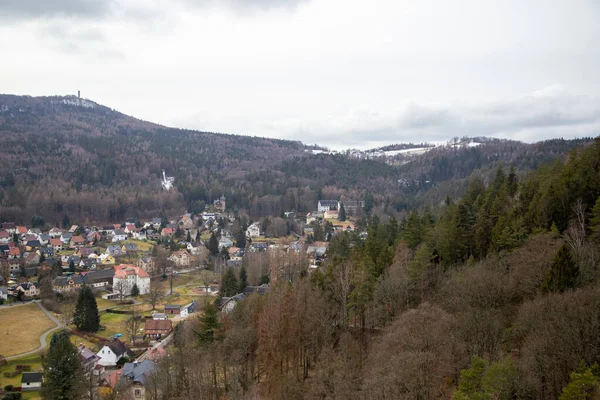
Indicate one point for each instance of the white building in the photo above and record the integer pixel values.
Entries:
(326, 205)
(113, 352)
(253, 231)
(126, 275)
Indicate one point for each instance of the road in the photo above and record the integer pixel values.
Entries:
(43, 341)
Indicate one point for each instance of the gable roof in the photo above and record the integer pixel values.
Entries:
(32, 377)
(122, 270)
(120, 349)
(138, 371)
(328, 203)
(154, 324)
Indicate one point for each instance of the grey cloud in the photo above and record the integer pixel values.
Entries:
(244, 6)
(547, 114)
(33, 9)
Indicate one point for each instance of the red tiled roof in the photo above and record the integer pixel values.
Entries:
(158, 324)
(55, 242)
(122, 270)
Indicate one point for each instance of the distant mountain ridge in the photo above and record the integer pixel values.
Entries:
(65, 155)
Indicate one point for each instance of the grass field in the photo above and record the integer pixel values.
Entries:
(33, 360)
(21, 328)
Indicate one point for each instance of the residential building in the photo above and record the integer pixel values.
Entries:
(146, 263)
(157, 328)
(326, 205)
(188, 309)
(112, 352)
(135, 377)
(119, 235)
(253, 231)
(181, 258)
(171, 309)
(126, 275)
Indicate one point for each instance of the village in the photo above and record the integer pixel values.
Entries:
(147, 277)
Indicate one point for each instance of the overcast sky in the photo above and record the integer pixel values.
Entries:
(340, 73)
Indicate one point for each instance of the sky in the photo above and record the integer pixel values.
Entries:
(338, 73)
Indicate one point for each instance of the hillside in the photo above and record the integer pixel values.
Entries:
(65, 155)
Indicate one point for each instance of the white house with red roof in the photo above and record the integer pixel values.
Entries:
(126, 275)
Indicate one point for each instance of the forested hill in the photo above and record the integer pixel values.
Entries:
(66, 155)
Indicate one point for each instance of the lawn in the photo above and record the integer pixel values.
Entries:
(115, 323)
(33, 360)
(21, 328)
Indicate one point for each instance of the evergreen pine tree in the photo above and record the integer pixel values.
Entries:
(188, 237)
(512, 182)
(243, 280)
(71, 266)
(63, 373)
(229, 284)
(135, 291)
(86, 316)
(66, 222)
(209, 325)
(563, 272)
(342, 213)
(213, 244)
(197, 235)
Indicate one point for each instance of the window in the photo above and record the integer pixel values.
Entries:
(138, 393)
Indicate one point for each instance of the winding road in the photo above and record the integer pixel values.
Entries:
(43, 341)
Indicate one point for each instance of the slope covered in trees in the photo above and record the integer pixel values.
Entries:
(493, 295)
(69, 156)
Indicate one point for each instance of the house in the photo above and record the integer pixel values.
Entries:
(253, 231)
(140, 235)
(88, 358)
(126, 275)
(310, 218)
(64, 284)
(113, 352)
(331, 214)
(55, 233)
(32, 245)
(156, 328)
(88, 263)
(156, 222)
(195, 248)
(166, 232)
(65, 237)
(107, 259)
(94, 236)
(130, 228)
(5, 237)
(327, 205)
(115, 251)
(47, 252)
(135, 377)
(186, 222)
(32, 259)
(229, 303)
(73, 228)
(225, 242)
(235, 254)
(119, 235)
(99, 279)
(56, 244)
(14, 252)
(181, 258)
(31, 381)
(21, 230)
(4, 250)
(188, 309)
(352, 206)
(256, 247)
(159, 316)
(11, 227)
(129, 248)
(219, 204)
(29, 289)
(108, 229)
(44, 238)
(146, 263)
(84, 252)
(77, 241)
(172, 309)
